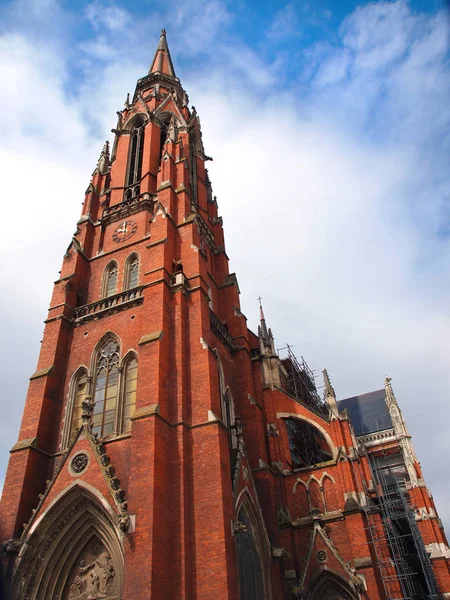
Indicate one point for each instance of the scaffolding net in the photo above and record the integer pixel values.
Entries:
(404, 564)
(299, 382)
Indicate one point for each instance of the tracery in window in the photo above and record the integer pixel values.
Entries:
(80, 388)
(129, 399)
(106, 389)
(109, 285)
(306, 444)
(132, 272)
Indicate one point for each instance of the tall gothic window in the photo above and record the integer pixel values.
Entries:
(162, 139)
(79, 394)
(136, 151)
(129, 399)
(109, 284)
(106, 389)
(251, 583)
(131, 272)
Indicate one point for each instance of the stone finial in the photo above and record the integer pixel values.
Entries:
(330, 395)
(328, 388)
(103, 161)
(390, 396)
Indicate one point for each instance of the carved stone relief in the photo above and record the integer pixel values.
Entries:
(93, 575)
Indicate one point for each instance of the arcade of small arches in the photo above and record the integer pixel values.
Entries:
(108, 387)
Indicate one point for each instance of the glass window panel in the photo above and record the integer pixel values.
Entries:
(108, 429)
(111, 391)
(133, 271)
(96, 430)
(113, 376)
(98, 408)
(96, 419)
(110, 403)
(130, 393)
(111, 280)
(109, 416)
(129, 410)
(131, 386)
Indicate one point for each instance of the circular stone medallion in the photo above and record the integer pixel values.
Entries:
(79, 462)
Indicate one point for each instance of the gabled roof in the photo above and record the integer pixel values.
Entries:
(368, 412)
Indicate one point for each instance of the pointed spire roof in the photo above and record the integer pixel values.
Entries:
(162, 63)
(263, 326)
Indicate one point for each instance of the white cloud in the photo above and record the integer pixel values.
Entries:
(285, 24)
(107, 15)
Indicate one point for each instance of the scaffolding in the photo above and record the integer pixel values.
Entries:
(299, 382)
(405, 567)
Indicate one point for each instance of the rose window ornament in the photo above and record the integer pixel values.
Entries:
(79, 462)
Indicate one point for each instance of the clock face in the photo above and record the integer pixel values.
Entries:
(124, 231)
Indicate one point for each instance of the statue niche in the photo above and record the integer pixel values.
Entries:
(93, 575)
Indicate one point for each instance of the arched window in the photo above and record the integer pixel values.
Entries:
(80, 388)
(306, 443)
(229, 417)
(131, 272)
(129, 400)
(251, 583)
(136, 151)
(162, 139)
(109, 283)
(106, 388)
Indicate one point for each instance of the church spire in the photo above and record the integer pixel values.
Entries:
(162, 63)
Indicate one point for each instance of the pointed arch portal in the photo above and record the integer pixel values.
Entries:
(74, 553)
(330, 587)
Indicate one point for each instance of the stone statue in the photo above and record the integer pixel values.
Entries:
(79, 584)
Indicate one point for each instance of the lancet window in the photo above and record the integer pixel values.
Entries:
(106, 389)
(80, 388)
(251, 583)
(131, 272)
(136, 151)
(129, 396)
(109, 284)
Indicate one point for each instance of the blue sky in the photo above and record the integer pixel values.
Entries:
(329, 125)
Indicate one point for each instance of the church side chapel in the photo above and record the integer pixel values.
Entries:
(166, 451)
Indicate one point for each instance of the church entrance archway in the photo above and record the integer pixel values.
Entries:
(331, 587)
(74, 553)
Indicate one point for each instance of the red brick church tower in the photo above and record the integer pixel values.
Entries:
(166, 451)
